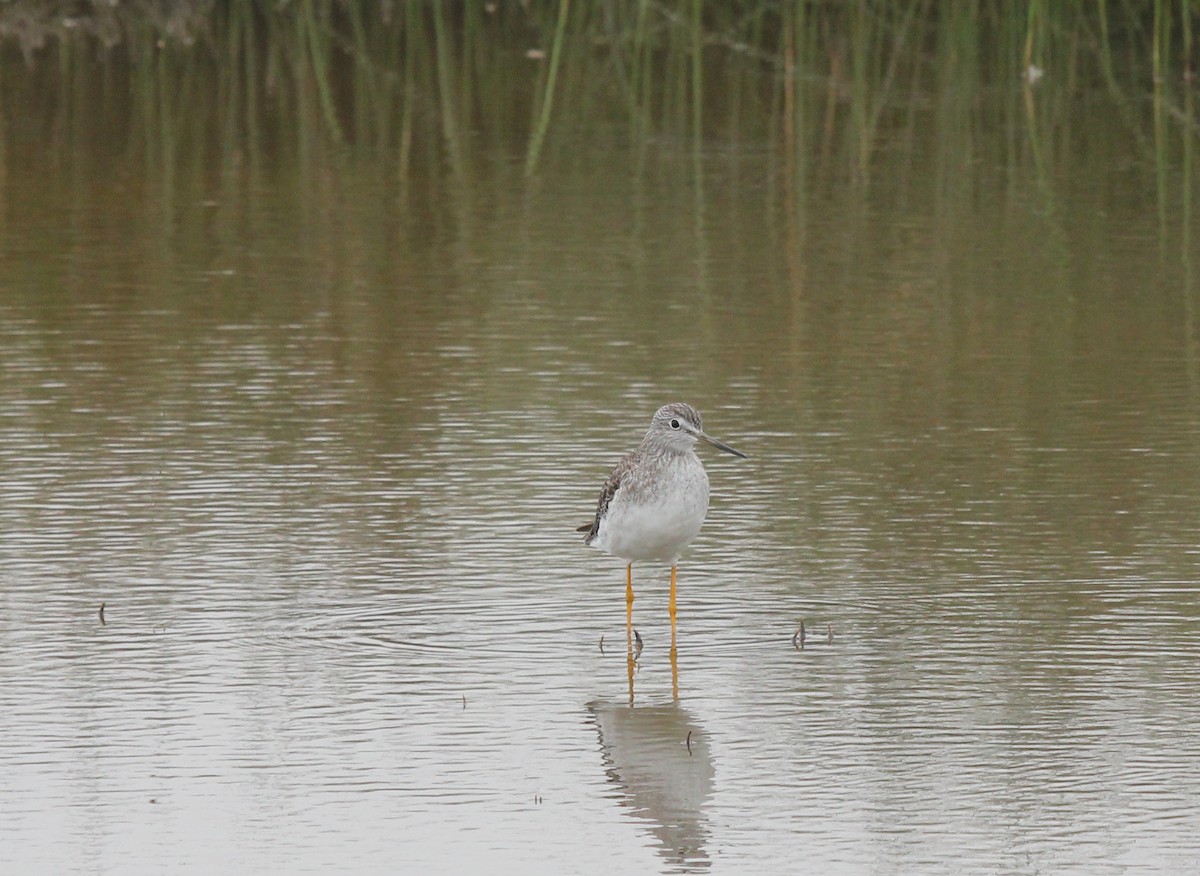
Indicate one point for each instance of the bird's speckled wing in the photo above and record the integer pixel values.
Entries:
(606, 494)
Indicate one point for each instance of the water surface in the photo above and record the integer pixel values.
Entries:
(319, 452)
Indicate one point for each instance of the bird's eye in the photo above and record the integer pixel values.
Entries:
(674, 424)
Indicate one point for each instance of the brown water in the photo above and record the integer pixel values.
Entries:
(318, 442)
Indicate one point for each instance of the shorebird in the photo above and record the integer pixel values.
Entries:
(655, 500)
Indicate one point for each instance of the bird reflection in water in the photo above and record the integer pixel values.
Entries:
(658, 758)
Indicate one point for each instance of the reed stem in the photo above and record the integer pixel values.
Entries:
(543, 123)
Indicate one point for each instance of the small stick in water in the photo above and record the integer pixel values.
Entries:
(602, 644)
(103, 622)
(689, 742)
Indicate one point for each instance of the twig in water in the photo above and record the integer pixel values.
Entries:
(602, 644)
(103, 622)
(689, 742)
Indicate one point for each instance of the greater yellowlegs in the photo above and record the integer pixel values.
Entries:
(655, 500)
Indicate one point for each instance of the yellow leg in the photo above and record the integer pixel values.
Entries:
(629, 595)
(671, 600)
(629, 658)
(674, 662)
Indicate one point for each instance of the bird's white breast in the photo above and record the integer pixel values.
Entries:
(656, 517)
